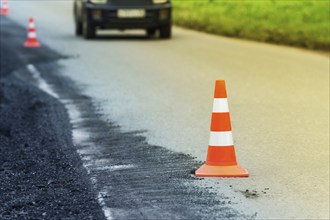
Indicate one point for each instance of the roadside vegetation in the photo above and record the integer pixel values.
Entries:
(296, 22)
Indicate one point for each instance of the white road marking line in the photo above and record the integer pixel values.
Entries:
(116, 167)
(42, 84)
(79, 136)
(106, 210)
(74, 114)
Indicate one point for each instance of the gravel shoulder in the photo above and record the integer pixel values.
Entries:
(41, 174)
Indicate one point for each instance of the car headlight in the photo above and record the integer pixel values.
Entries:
(98, 1)
(160, 1)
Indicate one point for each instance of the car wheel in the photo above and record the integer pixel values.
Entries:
(88, 29)
(78, 24)
(151, 32)
(79, 28)
(165, 32)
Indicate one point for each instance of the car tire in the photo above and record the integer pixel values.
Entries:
(151, 32)
(165, 32)
(79, 28)
(78, 24)
(88, 29)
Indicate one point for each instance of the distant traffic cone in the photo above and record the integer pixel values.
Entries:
(32, 40)
(4, 9)
(221, 157)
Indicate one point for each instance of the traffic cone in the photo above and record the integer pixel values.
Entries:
(4, 8)
(221, 157)
(32, 40)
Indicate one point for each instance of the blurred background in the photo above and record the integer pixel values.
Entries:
(295, 22)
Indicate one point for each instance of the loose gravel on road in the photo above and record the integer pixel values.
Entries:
(41, 174)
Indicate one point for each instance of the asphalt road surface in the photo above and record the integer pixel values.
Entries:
(162, 91)
(59, 163)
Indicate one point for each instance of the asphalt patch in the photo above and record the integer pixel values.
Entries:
(41, 174)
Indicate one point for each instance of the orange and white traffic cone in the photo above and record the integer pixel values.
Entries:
(32, 40)
(4, 10)
(221, 157)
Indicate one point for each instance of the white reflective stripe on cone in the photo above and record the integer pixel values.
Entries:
(221, 139)
(220, 105)
(31, 25)
(32, 35)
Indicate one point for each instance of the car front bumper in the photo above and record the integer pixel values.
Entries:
(106, 17)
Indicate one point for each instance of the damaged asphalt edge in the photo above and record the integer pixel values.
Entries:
(41, 174)
(77, 135)
(106, 147)
(129, 163)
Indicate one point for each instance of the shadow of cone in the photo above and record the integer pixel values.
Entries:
(221, 157)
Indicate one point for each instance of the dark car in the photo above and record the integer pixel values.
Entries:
(151, 15)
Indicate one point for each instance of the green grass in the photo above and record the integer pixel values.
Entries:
(292, 22)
